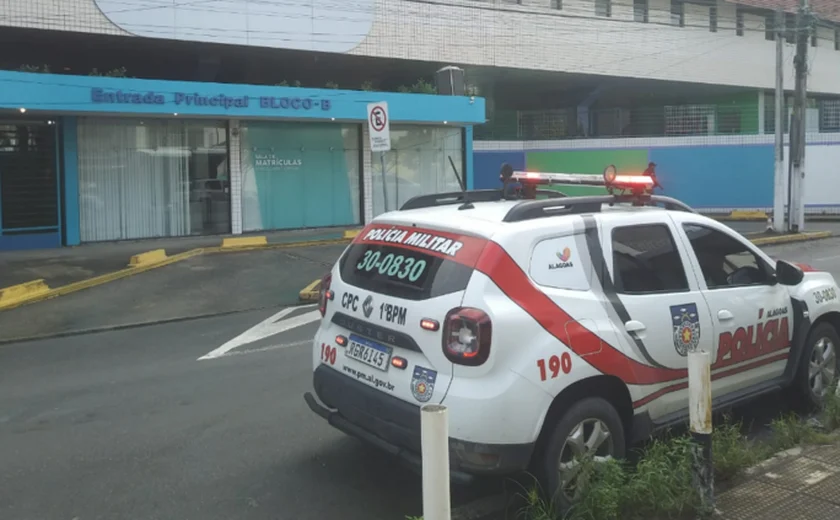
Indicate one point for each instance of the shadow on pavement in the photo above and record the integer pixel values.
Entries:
(203, 285)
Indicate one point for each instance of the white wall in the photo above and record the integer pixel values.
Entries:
(471, 32)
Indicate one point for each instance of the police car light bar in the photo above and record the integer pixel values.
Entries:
(610, 179)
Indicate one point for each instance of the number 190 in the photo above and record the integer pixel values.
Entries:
(555, 365)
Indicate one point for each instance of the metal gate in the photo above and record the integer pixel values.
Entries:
(29, 188)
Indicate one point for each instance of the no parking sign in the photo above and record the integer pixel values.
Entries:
(379, 127)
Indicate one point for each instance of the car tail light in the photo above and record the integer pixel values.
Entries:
(325, 293)
(466, 336)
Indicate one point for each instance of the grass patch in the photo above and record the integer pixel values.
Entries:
(661, 485)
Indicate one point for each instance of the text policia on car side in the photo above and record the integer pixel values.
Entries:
(554, 326)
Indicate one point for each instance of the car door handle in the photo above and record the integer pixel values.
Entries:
(725, 315)
(634, 326)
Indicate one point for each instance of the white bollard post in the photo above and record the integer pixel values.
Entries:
(434, 437)
(700, 416)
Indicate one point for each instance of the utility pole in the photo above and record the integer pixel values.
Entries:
(780, 178)
(796, 208)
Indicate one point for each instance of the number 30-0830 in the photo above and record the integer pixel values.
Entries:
(825, 295)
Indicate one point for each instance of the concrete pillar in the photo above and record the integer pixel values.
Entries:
(235, 173)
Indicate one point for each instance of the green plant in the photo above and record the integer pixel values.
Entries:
(114, 73)
(331, 84)
(830, 415)
(733, 452)
(788, 431)
(423, 87)
(35, 68)
(367, 86)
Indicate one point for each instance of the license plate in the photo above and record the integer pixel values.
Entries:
(368, 352)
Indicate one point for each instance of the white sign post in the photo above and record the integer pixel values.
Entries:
(379, 128)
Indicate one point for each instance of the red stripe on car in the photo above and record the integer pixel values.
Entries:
(509, 277)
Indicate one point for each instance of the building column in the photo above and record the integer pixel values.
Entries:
(468, 157)
(367, 176)
(69, 130)
(762, 99)
(235, 178)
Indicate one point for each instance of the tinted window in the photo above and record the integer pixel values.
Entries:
(402, 272)
(725, 261)
(646, 260)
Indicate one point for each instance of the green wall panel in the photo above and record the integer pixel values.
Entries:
(586, 162)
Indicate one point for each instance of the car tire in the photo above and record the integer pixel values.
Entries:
(820, 364)
(560, 445)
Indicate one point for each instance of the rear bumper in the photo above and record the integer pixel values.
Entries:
(394, 426)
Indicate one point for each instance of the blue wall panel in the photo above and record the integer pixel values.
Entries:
(702, 176)
(717, 176)
(486, 166)
(71, 181)
(86, 94)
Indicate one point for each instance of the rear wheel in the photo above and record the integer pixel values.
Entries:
(820, 364)
(589, 429)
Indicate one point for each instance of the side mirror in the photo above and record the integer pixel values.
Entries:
(788, 274)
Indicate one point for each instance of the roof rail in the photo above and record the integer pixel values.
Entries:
(533, 209)
(460, 197)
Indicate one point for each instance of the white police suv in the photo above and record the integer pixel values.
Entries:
(557, 326)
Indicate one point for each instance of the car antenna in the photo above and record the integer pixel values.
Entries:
(467, 204)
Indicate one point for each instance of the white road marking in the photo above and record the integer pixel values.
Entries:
(827, 258)
(269, 327)
(270, 347)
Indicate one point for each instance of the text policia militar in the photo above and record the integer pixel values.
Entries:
(418, 239)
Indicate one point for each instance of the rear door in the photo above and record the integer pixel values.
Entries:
(392, 289)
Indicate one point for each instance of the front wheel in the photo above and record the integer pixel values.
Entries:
(820, 364)
(590, 429)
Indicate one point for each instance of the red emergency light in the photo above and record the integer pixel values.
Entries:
(635, 184)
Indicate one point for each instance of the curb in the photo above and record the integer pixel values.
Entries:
(97, 280)
(37, 290)
(787, 239)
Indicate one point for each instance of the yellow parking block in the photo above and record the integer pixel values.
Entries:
(790, 238)
(310, 292)
(10, 296)
(233, 243)
(748, 215)
(149, 257)
(352, 233)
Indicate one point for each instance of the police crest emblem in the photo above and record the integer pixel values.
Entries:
(423, 383)
(686, 327)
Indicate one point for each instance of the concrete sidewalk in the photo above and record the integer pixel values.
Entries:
(801, 483)
(63, 266)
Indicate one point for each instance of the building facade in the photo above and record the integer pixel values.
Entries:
(90, 159)
(713, 42)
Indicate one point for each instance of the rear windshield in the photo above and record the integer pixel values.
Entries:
(402, 272)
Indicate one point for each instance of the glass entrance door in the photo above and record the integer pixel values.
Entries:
(29, 196)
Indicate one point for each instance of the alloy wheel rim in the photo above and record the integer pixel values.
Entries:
(589, 439)
(822, 369)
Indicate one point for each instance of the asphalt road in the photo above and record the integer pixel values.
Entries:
(185, 421)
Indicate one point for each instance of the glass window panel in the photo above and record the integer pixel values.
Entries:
(151, 178)
(417, 164)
